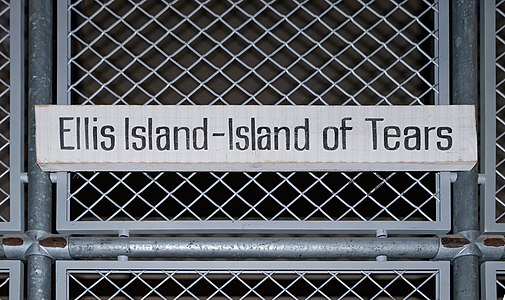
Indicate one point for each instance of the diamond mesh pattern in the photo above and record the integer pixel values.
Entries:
(279, 53)
(500, 283)
(253, 196)
(500, 112)
(4, 284)
(4, 112)
(205, 284)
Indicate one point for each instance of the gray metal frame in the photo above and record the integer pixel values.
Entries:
(443, 214)
(489, 270)
(38, 244)
(63, 267)
(488, 138)
(16, 278)
(17, 130)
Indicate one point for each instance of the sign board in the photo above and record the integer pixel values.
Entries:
(256, 138)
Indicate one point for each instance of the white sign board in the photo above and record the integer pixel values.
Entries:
(254, 138)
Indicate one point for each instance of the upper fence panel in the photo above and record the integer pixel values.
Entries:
(5, 114)
(253, 53)
(493, 115)
(11, 120)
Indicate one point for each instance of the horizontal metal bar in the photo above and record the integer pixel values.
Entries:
(300, 248)
(253, 226)
(442, 248)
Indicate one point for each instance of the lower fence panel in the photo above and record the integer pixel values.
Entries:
(493, 280)
(251, 279)
(11, 280)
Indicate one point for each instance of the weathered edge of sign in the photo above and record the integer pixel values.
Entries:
(242, 167)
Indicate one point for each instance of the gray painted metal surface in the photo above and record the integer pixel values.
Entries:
(14, 280)
(333, 278)
(465, 250)
(488, 134)
(90, 220)
(492, 280)
(17, 124)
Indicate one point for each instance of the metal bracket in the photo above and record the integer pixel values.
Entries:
(451, 246)
(470, 243)
(382, 234)
(492, 247)
(454, 176)
(481, 179)
(123, 233)
(36, 242)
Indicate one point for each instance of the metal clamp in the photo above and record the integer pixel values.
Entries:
(123, 233)
(492, 247)
(454, 246)
(382, 234)
(466, 243)
(36, 242)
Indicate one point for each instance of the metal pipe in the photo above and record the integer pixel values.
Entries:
(2, 251)
(234, 248)
(465, 91)
(38, 279)
(40, 92)
(40, 39)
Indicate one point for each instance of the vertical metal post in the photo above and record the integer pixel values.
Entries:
(40, 39)
(488, 115)
(465, 91)
(17, 109)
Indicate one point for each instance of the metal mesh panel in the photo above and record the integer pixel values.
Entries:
(262, 285)
(317, 52)
(500, 112)
(500, 283)
(280, 53)
(4, 284)
(11, 280)
(4, 112)
(253, 196)
(367, 283)
(493, 280)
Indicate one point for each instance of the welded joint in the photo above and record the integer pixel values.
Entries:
(455, 246)
(470, 243)
(36, 242)
(492, 247)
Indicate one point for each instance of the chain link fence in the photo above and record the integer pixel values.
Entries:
(500, 110)
(245, 53)
(493, 283)
(248, 53)
(269, 280)
(11, 280)
(5, 197)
